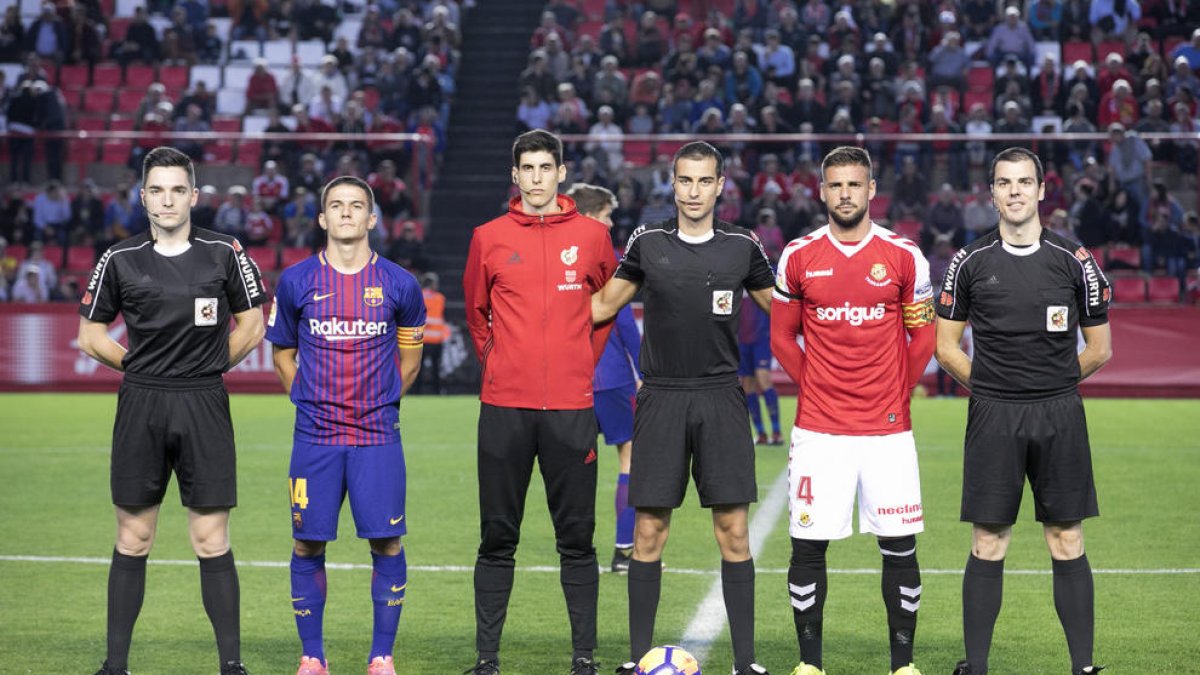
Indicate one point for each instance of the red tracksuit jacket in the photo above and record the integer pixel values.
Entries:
(528, 287)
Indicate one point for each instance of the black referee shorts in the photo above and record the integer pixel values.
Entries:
(1044, 440)
(166, 425)
(701, 423)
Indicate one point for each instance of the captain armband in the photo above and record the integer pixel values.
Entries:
(919, 314)
(410, 338)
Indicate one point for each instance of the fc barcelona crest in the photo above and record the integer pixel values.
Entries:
(879, 271)
(373, 296)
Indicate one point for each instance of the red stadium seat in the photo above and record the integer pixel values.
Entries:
(1109, 47)
(1163, 289)
(97, 101)
(139, 77)
(128, 100)
(1129, 288)
(667, 148)
(106, 75)
(91, 123)
(18, 251)
(250, 154)
(80, 258)
(266, 257)
(592, 28)
(82, 150)
(371, 99)
(1077, 51)
(115, 151)
(970, 98)
(72, 77)
(292, 256)
(174, 78)
(980, 78)
(910, 229)
(53, 253)
(1124, 257)
(118, 26)
(119, 122)
(220, 152)
(640, 153)
(226, 123)
(593, 9)
(72, 95)
(880, 205)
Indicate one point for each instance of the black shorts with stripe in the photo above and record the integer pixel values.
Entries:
(696, 424)
(1046, 441)
(166, 425)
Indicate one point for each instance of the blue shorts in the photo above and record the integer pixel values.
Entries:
(614, 413)
(320, 476)
(754, 356)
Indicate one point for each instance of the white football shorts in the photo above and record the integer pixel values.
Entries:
(826, 473)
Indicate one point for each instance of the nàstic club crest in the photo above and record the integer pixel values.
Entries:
(879, 271)
(570, 256)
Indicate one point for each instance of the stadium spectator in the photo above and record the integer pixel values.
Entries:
(547, 25)
(1013, 120)
(249, 21)
(87, 215)
(51, 215)
(650, 44)
(1114, 19)
(179, 39)
(22, 123)
(879, 91)
(1011, 37)
(744, 82)
(260, 225)
(391, 192)
(605, 139)
(192, 122)
(12, 35)
(300, 219)
(1129, 158)
(1153, 122)
(140, 42)
(1183, 78)
(30, 287)
(945, 219)
(909, 36)
(298, 87)
(408, 251)
(330, 75)
(1162, 201)
(270, 187)
(948, 62)
(847, 104)
(1045, 19)
(48, 36)
(83, 38)
(8, 266)
(1185, 150)
(776, 59)
(1190, 240)
(262, 91)
(200, 96)
(209, 47)
(533, 112)
(565, 13)
(204, 213)
(47, 274)
(308, 174)
(910, 191)
(326, 107)
(951, 151)
(232, 214)
(1047, 90)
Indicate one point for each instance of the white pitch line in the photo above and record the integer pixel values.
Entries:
(550, 569)
(709, 618)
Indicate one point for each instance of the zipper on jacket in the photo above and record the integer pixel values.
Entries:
(545, 315)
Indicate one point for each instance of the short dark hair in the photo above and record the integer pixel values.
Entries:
(590, 200)
(537, 140)
(1016, 154)
(164, 156)
(349, 180)
(700, 150)
(847, 155)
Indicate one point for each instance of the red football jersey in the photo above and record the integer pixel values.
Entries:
(856, 300)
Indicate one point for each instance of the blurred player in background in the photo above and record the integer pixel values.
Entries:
(177, 288)
(617, 381)
(528, 283)
(1027, 292)
(754, 369)
(692, 270)
(342, 321)
(862, 298)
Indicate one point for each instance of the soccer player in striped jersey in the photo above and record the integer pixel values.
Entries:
(346, 328)
(862, 298)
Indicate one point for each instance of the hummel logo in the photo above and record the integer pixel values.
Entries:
(397, 589)
(317, 297)
(515, 259)
(395, 521)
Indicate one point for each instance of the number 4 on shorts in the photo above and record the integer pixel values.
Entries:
(804, 490)
(299, 491)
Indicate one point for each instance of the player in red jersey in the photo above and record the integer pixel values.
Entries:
(862, 298)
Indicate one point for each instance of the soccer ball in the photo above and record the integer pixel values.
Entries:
(668, 660)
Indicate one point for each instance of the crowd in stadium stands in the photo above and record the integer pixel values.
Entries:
(205, 65)
(607, 69)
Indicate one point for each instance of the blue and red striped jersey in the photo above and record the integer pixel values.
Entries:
(347, 330)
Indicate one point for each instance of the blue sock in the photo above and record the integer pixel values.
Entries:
(755, 413)
(772, 400)
(308, 603)
(625, 512)
(388, 582)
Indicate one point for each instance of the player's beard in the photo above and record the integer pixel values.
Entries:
(847, 222)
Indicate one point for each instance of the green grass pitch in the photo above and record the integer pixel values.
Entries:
(54, 503)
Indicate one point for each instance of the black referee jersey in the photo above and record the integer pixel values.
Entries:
(692, 295)
(1024, 305)
(176, 308)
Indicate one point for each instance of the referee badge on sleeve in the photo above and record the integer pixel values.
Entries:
(1056, 318)
(206, 311)
(722, 303)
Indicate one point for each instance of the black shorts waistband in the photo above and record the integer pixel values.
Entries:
(174, 383)
(707, 382)
(1048, 398)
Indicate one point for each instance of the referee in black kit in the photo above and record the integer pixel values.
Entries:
(691, 408)
(176, 286)
(1025, 291)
